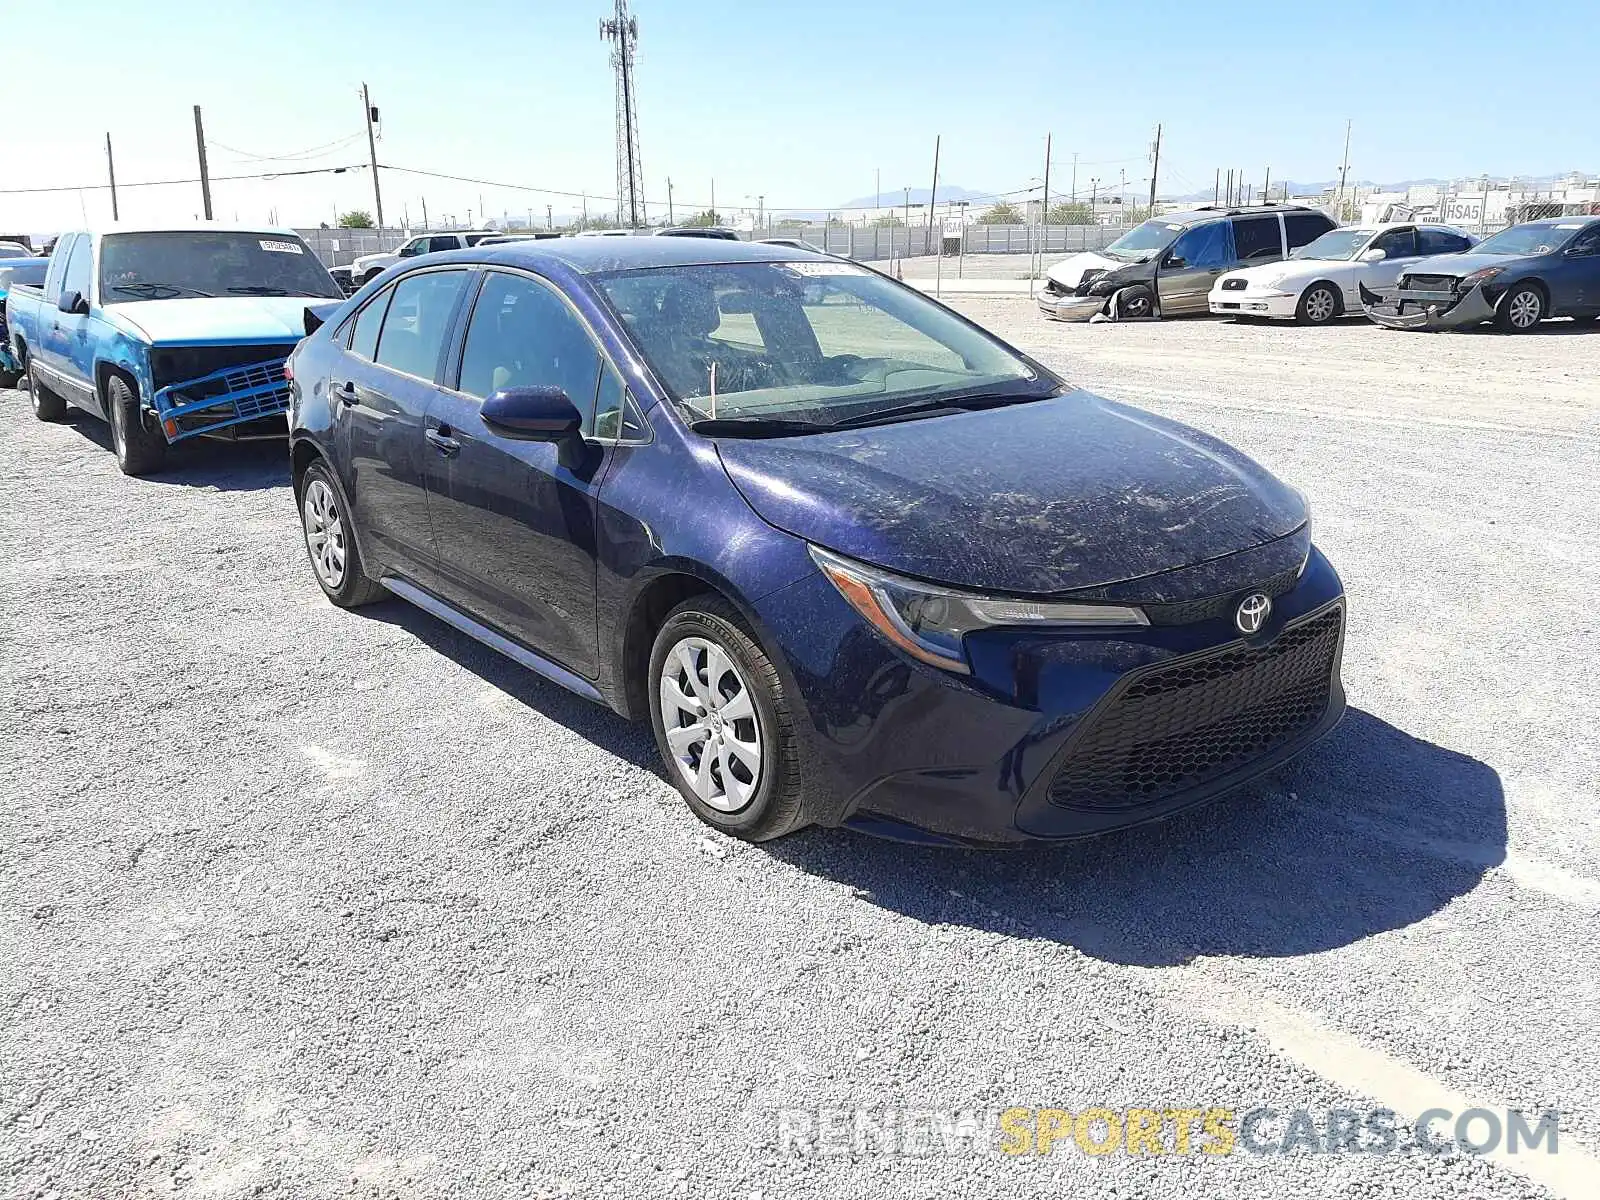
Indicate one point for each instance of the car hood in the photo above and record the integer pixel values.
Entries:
(368, 260)
(1300, 270)
(1038, 498)
(1461, 265)
(1069, 271)
(224, 320)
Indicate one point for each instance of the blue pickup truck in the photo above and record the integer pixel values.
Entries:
(167, 333)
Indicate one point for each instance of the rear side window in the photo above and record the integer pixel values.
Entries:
(523, 335)
(364, 341)
(1305, 228)
(419, 315)
(447, 241)
(474, 238)
(1257, 239)
(1437, 241)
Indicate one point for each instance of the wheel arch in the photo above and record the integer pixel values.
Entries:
(1340, 308)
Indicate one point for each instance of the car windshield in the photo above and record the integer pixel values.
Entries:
(1144, 240)
(805, 345)
(164, 266)
(1529, 239)
(1337, 244)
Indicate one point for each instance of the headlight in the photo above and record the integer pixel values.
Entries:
(1483, 275)
(929, 622)
(1105, 285)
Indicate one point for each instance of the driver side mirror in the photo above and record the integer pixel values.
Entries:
(1174, 262)
(1373, 255)
(409, 251)
(73, 304)
(534, 414)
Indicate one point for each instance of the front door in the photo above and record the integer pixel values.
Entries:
(383, 385)
(514, 520)
(66, 335)
(1191, 265)
(1574, 274)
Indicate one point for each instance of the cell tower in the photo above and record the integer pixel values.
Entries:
(622, 30)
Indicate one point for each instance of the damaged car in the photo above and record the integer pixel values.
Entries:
(1166, 266)
(1516, 279)
(168, 333)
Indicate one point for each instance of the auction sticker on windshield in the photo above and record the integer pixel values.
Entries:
(281, 247)
(824, 268)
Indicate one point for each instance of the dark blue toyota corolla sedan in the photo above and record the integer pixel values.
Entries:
(856, 560)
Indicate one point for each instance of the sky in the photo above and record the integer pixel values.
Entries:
(804, 105)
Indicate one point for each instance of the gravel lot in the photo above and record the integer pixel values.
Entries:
(311, 903)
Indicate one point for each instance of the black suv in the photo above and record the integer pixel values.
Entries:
(1167, 265)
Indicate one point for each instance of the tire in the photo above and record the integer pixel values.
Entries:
(329, 537)
(1319, 304)
(1521, 308)
(47, 406)
(1135, 302)
(765, 801)
(139, 451)
(9, 379)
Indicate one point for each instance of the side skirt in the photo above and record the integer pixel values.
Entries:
(515, 651)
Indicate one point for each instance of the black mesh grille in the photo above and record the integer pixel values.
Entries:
(1431, 283)
(1192, 721)
(1186, 612)
(1234, 285)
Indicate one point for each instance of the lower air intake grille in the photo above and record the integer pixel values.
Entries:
(1182, 725)
(1431, 283)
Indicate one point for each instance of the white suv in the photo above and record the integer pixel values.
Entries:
(370, 265)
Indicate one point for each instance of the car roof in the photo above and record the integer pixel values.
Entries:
(1583, 218)
(187, 227)
(591, 255)
(1193, 216)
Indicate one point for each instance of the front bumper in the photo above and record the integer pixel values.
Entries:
(1065, 734)
(1072, 307)
(254, 398)
(1429, 310)
(1253, 304)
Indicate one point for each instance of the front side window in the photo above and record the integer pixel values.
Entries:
(76, 277)
(1397, 243)
(419, 315)
(165, 266)
(416, 246)
(58, 266)
(808, 343)
(1257, 239)
(524, 335)
(1204, 246)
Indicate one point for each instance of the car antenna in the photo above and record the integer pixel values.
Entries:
(713, 389)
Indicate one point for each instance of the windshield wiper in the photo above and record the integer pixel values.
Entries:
(256, 289)
(148, 289)
(755, 427)
(935, 404)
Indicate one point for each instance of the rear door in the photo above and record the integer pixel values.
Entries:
(1303, 228)
(514, 519)
(1257, 240)
(1192, 264)
(383, 385)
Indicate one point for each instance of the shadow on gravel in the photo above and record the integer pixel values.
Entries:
(628, 740)
(1383, 829)
(205, 463)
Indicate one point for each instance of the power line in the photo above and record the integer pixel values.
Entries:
(293, 156)
(100, 187)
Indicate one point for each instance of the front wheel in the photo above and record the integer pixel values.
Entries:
(1521, 309)
(723, 724)
(139, 451)
(1135, 302)
(1319, 305)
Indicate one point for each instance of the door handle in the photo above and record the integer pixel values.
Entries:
(442, 441)
(347, 393)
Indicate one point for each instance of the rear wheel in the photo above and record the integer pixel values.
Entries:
(331, 543)
(1135, 302)
(47, 406)
(1319, 304)
(723, 724)
(1521, 309)
(139, 450)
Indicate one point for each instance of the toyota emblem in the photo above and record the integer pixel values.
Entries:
(1252, 614)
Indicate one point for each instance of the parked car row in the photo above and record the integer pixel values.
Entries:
(1291, 263)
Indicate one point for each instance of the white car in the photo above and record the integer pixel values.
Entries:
(1322, 281)
(369, 266)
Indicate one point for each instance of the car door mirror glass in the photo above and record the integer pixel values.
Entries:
(1174, 262)
(74, 304)
(541, 414)
(1372, 256)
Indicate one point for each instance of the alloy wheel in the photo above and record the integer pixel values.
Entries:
(712, 728)
(119, 430)
(1525, 309)
(324, 533)
(1320, 305)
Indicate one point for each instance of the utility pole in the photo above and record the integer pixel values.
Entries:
(761, 212)
(549, 217)
(1229, 200)
(372, 152)
(713, 201)
(1155, 167)
(1216, 188)
(425, 224)
(205, 173)
(111, 170)
(1122, 198)
(1266, 188)
(1343, 169)
(669, 199)
(877, 190)
(1074, 196)
(933, 194)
